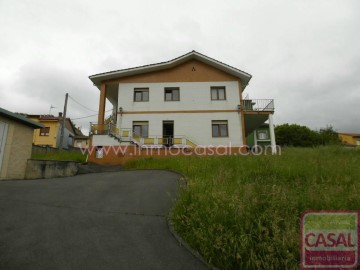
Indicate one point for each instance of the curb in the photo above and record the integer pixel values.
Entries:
(183, 184)
(182, 180)
(185, 245)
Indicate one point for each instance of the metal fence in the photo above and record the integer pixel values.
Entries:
(37, 149)
(258, 105)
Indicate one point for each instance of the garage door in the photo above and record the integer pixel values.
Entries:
(3, 133)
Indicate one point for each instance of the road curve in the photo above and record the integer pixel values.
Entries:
(113, 220)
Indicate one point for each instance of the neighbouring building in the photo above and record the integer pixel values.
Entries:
(16, 136)
(350, 139)
(50, 134)
(80, 140)
(188, 101)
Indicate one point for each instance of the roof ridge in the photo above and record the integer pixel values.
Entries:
(169, 61)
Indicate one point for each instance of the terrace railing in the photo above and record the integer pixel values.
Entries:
(127, 135)
(257, 105)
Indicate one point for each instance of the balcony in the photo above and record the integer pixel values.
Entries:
(258, 105)
(129, 136)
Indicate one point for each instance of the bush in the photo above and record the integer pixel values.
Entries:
(302, 136)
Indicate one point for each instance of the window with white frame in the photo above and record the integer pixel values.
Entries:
(218, 93)
(172, 94)
(263, 135)
(45, 131)
(141, 128)
(141, 94)
(219, 128)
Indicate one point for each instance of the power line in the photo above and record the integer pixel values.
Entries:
(81, 104)
(89, 115)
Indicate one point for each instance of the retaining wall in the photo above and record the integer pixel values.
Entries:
(37, 169)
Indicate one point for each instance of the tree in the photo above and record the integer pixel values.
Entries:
(296, 135)
(329, 136)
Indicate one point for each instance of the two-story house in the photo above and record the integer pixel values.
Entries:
(188, 101)
(50, 134)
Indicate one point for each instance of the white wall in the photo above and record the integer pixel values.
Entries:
(193, 96)
(195, 126)
(104, 140)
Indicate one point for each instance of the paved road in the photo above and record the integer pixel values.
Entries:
(110, 220)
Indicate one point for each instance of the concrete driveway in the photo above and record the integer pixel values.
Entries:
(111, 220)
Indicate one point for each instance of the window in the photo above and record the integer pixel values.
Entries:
(141, 128)
(45, 131)
(220, 128)
(172, 94)
(141, 94)
(262, 135)
(218, 93)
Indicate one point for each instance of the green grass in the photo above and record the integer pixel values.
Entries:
(62, 155)
(244, 212)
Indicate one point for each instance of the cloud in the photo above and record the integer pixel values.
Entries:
(304, 54)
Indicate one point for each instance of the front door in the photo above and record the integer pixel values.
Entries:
(168, 133)
(3, 133)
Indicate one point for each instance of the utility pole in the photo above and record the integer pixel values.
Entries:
(62, 135)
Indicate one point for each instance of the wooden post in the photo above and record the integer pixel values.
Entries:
(242, 114)
(62, 135)
(102, 102)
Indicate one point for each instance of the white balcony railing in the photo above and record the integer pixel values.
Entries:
(127, 135)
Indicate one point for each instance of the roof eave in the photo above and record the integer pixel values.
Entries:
(20, 118)
(243, 76)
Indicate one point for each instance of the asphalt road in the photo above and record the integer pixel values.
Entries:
(113, 220)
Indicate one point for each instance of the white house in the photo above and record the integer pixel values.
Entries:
(190, 100)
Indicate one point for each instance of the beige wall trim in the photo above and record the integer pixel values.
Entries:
(260, 112)
(188, 111)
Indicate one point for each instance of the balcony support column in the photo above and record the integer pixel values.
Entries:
(272, 134)
(255, 137)
(102, 102)
(242, 119)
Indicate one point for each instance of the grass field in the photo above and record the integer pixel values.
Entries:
(62, 155)
(244, 212)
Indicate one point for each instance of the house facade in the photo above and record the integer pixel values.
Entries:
(80, 140)
(185, 102)
(50, 134)
(350, 139)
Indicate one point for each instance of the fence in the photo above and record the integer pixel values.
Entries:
(37, 149)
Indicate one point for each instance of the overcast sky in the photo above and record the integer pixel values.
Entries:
(304, 54)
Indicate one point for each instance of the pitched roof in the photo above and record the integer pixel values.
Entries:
(42, 116)
(245, 77)
(20, 118)
(350, 134)
(79, 134)
(69, 125)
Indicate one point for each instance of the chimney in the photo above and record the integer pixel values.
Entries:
(60, 114)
